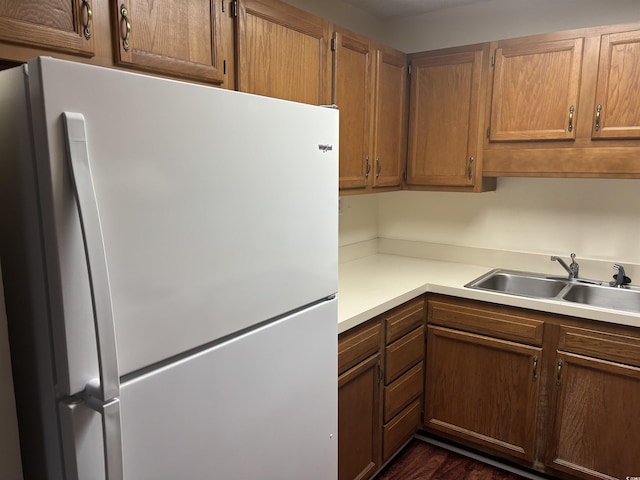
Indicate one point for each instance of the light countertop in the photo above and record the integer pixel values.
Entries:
(376, 283)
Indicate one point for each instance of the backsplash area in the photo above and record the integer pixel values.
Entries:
(598, 219)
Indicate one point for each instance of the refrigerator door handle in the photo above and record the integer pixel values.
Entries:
(111, 435)
(78, 157)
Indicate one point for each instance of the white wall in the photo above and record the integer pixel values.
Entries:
(10, 468)
(500, 19)
(595, 218)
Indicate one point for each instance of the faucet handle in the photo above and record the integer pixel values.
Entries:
(620, 278)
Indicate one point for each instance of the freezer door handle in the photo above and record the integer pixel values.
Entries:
(78, 156)
(111, 435)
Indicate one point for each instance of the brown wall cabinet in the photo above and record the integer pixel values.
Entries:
(370, 90)
(283, 52)
(563, 104)
(446, 119)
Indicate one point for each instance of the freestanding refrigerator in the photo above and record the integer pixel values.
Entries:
(169, 253)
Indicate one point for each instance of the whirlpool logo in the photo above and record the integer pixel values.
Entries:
(325, 148)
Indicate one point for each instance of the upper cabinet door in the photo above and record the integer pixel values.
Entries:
(535, 90)
(617, 111)
(444, 118)
(283, 52)
(390, 118)
(352, 93)
(181, 39)
(61, 25)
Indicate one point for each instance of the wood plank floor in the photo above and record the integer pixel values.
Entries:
(423, 461)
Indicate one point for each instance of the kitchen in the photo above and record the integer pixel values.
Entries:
(593, 217)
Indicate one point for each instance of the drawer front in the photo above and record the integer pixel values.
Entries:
(605, 346)
(357, 345)
(400, 429)
(498, 321)
(404, 318)
(403, 354)
(401, 392)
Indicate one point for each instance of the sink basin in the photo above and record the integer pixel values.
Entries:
(606, 297)
(520, 283)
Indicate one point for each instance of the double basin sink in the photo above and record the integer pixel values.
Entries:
(585, 292)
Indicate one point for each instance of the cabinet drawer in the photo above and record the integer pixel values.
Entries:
(358, 344)
(606, 346)
(403, 354)
(400, 393)
(400, 429)
(403, 319)
(497, 321)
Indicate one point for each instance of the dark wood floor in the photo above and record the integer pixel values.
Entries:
(423, 461)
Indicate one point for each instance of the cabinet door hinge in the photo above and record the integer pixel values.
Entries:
(334, 44)
(234, 8)
(488, 132)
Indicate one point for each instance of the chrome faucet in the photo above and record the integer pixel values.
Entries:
(571, 269)
(620, 278)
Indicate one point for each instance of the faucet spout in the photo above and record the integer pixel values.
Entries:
(571, 269)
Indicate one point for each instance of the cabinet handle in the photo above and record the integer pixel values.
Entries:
(571, 110)
(469, 169)
(88, 18)
(535, 368)
(366, 175)
(598, 110)
(125, 17)
(559, 373)
(380, 372)
(378, 167)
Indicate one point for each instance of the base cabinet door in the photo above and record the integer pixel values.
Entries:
(596, 433)
(359, 415)
(482, 390)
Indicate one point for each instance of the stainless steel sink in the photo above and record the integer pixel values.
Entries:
(585, 292)
(520, 283)
(627, 299)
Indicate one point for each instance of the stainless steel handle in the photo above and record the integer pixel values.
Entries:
(535, 368)
(571, 110)
(78, 156)
(598, 111)
(87, 19)
(127, 25)
(366, 175)
(469, 168)
(378, 167)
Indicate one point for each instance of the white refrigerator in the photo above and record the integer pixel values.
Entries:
(169, 253)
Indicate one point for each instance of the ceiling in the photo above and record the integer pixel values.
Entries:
(388, 9)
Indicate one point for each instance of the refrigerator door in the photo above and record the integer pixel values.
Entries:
(218, 211)
(262, 405)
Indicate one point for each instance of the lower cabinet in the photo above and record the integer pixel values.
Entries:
(596, 432)
(553, 393)
(380, 388)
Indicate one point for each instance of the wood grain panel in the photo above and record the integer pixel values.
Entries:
(504, 323)
(53, 25)
(402, 391)
(482, 390)
(534, 87)
(357, 344)
(403, 354)
(606, 346)
(400, 429)
(401, 320)
(597, 424)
